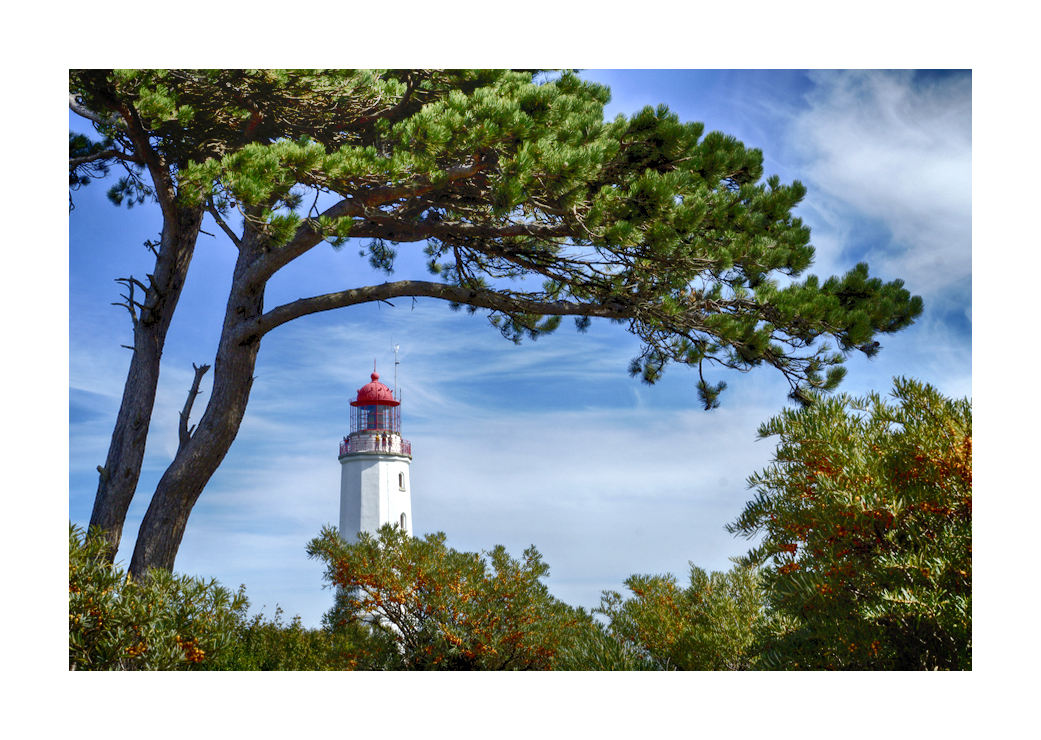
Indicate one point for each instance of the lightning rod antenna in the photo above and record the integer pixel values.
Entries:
(396, 363)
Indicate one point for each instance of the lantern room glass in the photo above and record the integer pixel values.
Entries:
(376, 418)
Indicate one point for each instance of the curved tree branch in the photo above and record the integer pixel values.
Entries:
(165, 190)
(80, 110)
(477, 297)
(106, 154)
(362, 207)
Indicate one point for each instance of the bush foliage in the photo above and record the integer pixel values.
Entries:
(866, 517)
(162, 623)
(708, 626)
(446, 609)
(261, 644)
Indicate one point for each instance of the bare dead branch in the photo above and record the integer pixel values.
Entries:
(183, 432)
(128, 300)
(224, 226)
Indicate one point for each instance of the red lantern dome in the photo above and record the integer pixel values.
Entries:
(375, 394)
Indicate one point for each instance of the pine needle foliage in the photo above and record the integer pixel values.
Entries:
(505, 177)
(866, 524)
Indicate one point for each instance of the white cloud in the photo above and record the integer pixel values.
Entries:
(601, 493)
(885, 146)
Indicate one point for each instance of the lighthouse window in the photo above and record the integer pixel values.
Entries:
(401, 482)
(403, 521)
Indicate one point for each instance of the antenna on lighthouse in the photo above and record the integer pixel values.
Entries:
(396, 363)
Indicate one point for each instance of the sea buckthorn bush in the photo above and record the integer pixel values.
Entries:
(164, 623)
(865, 518)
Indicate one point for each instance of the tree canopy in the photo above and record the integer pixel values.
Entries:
(527, 203)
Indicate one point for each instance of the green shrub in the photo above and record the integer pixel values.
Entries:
(445, 609)
(274, 645)
(708, 626)
(592, 646)
(164, 623)
(866, 524)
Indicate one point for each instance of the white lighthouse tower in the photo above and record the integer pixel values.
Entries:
(374, 459)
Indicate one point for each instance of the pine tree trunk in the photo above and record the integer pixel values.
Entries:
(119, 477)
(197, 460)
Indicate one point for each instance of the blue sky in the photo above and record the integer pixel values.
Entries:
(547, 443)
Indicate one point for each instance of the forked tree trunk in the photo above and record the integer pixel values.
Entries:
(122, 469)
(198, 459)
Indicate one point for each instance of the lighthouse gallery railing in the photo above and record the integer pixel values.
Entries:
(387, 444)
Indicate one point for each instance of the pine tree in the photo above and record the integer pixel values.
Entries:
(530, 206)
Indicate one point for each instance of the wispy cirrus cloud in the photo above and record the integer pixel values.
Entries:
(895, 148)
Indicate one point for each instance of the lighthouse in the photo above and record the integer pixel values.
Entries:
(374, 461)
